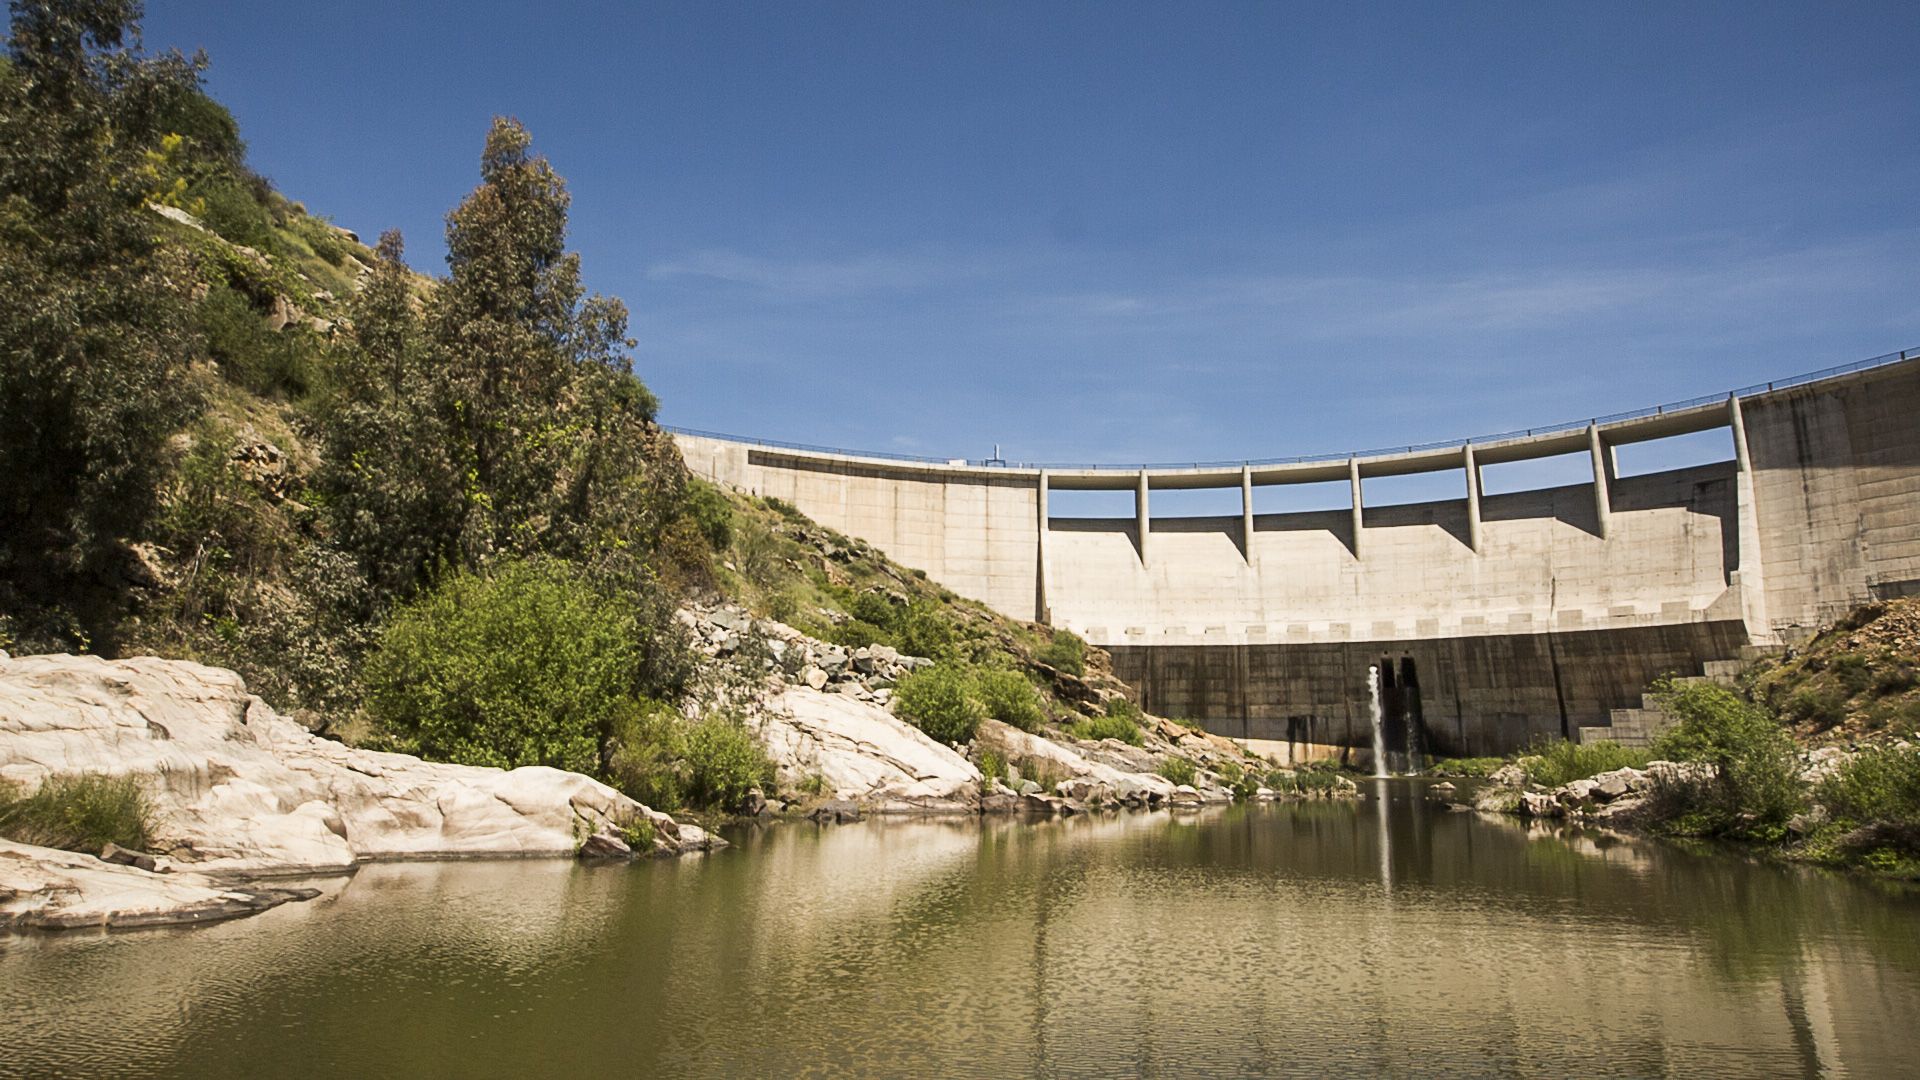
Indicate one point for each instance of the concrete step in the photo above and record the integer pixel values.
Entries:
(1750, 653)
(1724, 669)
(1625, 736)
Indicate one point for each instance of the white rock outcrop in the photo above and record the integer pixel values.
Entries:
(243, 792)
(1087, 778)
(864, 753)
(46, 889)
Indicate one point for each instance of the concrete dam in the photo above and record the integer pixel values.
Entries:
(1493, 620)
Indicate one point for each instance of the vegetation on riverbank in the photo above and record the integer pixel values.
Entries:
(1761, 766)
(78, 813)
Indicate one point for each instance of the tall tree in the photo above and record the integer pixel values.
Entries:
(531, 368)
(392, 498)
(94, 328)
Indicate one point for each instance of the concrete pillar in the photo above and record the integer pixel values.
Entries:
(1602, 478)
(1246, 512)
(1473, 497)
(1140, 511)
(1751, 574)
(1353, 480)
(1041, 613)
(1739, 423)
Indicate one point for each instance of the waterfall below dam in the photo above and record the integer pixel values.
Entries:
(1379, 721)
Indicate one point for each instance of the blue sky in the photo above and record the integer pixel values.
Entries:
(1145, 232)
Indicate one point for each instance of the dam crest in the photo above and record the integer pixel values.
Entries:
(1506, 617)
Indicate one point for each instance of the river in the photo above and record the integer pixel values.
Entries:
(1386, 937)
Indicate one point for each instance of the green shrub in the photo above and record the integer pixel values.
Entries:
(233, 212)
(1303, 780)
(940, 701)
(527, 666)
(710, 510)
(646, 751)
(1065, 652)
(659, 758)
(921, 630)
(639, 835)
(1107, 727)
(264, 361)
(1821, 707)
(1043, 771)
(1466, 767)
(992, 767)
(1851, 671)
(79, 813)
(1897, 679)
(1563, 762)
(783, 606)
(1756, 786)
(1179, 770)
(724, 762)
(859, 634)
(1124, 710)
(874, 608)
(1009, 698)
(1879, 788)
(1244, 783)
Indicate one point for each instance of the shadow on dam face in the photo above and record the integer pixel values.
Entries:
(1452, 697)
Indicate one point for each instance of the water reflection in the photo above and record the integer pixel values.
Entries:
(1389, 936)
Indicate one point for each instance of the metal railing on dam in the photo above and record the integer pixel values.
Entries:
(1569, 427)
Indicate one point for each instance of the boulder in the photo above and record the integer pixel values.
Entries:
(1136, 787)
(1539, 804)
(605, 845)
(1000, 802)
(119, 856)
(835, 812)
(1034, 802)
(240, 790)
(1609, 786)
(864, 752)
(47, 889)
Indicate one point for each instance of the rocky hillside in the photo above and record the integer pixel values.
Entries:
(1856, 682)
(826, 714)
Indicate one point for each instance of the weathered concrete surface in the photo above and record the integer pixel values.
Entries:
(1542, 567)
(1837, 494)
(976, 532)
(243, 792)
(1478, 695)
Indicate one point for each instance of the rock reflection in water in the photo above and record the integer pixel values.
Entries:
(1289, 940)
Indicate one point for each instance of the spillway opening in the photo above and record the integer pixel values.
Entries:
(1399, 730)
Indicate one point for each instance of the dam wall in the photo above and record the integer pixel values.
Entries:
(1499, 619)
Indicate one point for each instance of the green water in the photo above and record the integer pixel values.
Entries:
(1318, 939)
